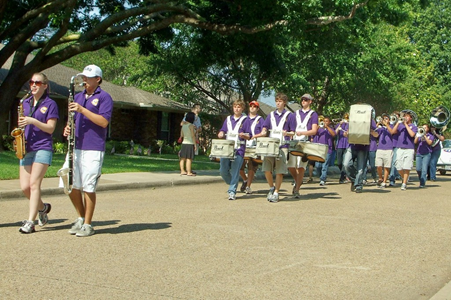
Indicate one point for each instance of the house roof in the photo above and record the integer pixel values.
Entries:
(123, 96)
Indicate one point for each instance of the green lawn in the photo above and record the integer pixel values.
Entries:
(9, 164)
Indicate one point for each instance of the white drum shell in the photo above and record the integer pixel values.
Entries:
(267, 146)
(222, 148)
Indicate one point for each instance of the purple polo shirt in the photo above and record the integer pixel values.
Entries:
(35, 137)
(247, 128)
(294, 121)
(342, 141)
(323, 137)
(385, 139)
(240, 150)
(405, 141)
(423, 147)
(89, 136)
(278, 118)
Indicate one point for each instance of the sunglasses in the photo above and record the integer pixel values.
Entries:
(37, 82)
(305, 99)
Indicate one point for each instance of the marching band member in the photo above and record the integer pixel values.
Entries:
(355, 160)
(325, 136)
(93, 109)
(435, 155)
(304, 125)
(394, 174)
(252, 126)
(342, 144)
(384, 150)
(406, 147)
(372, 156)
(40, 114)
(277, 123)
(232, 129)
(424, 151)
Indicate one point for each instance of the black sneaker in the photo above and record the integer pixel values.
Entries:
(243, 186)
(352, 187)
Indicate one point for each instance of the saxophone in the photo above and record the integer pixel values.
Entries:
(19, 133)
(67, 171)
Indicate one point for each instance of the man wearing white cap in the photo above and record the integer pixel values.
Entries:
(93, 109)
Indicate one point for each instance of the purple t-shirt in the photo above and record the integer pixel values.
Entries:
(385, 139)
(224, 128)
(35, 137)
(373, 143)
(278, 117)
(405, 141)
(89, 136)
(342, 141)
(323, 137)
(423, 147)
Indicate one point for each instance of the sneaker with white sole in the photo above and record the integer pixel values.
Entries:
(270, 193)
(86, 230)
(27, 227)
(274, 198)
(232, 196)
(76, 227)
(297, 195)
(322, 183)
(248, 190)
(403, 187)
(42, 215)
(383, 185)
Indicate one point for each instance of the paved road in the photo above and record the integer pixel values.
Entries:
(187, 241)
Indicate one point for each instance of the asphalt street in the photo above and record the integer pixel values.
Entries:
(185, 240)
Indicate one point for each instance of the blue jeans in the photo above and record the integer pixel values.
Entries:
(230, 171)
(372, 163)
(422, 167)
(433, 164)
(322, 168)
(354, 163)
(340, 155)
(393, 171)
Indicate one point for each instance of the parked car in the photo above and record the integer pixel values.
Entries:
(444, 162)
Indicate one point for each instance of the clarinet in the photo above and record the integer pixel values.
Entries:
(67, 174)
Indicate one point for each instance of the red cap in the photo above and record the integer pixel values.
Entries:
(254, 103)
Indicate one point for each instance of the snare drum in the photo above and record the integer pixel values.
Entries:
(249, 153)
(312, 151)
(296, 148)
(267, 146)
(222, 148)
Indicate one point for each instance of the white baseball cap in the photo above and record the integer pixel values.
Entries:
(91, 71)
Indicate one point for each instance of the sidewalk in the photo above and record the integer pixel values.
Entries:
(119, 181)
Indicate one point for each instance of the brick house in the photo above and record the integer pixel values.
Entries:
(137, 114)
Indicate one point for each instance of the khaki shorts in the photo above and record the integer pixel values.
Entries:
(276, 165)
(383, 158)
(404, 159)
(296, 162)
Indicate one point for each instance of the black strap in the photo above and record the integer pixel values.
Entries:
(34, 108)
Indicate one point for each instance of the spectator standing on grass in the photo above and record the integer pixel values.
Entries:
(188, 145)
(40, 114)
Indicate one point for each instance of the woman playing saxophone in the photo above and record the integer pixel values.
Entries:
(39, 119)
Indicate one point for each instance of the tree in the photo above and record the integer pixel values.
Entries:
(55, 30)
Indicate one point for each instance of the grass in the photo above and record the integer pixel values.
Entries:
(9, 164)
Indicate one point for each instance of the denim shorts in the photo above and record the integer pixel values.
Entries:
(40, 156)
